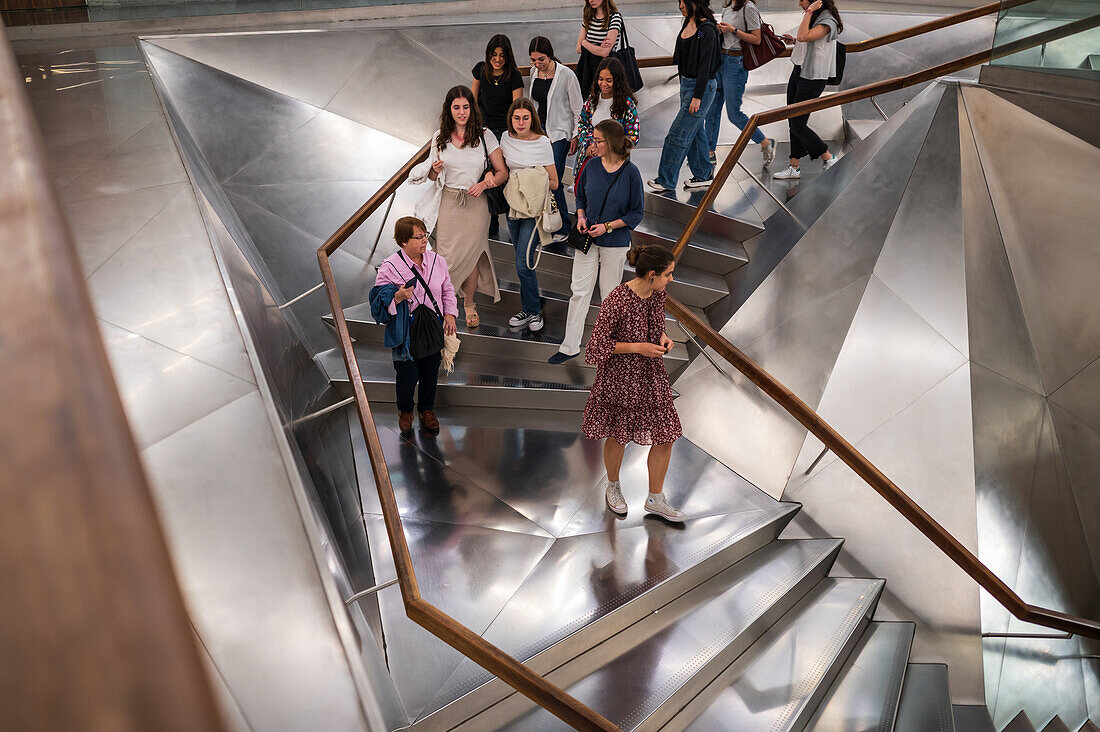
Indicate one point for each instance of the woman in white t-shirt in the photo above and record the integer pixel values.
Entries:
(609, 98)
(525, 145)
(814, 58)
(461, 150)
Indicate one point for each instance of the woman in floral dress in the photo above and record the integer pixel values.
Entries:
(631, 398)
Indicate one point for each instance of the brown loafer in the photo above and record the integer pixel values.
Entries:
(405, 422)
(429, 422)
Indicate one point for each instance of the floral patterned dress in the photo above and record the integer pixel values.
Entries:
(631, 398)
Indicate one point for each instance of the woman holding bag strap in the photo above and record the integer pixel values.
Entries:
(610, 203)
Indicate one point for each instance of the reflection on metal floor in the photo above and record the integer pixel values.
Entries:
(713, 625)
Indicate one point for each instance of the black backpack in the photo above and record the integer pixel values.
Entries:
(841, 56)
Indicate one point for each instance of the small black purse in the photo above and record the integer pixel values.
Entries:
(579, 240)
(426, 332)
(493, 196)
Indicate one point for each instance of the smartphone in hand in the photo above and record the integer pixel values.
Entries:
(410, 283)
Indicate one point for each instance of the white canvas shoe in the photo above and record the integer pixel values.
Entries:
(613, 494)
(658, 504)
(791, 173)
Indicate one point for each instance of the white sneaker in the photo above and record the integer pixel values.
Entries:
(768, 153)
(613, 494)
(659, 187)
(694, 182)
(830, 162)
(791, 173)
(536, 323)
(658, 504)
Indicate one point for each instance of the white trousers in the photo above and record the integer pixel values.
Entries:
(608, 263)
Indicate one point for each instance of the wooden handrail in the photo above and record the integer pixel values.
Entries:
(863, 467)
(798, 409)
(93, 628)
(517, 675)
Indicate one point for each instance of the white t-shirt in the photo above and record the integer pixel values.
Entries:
(526, 153)
(602, 110)
(463, 166)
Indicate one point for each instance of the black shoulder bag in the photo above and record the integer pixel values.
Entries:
(493, 196)
(629, 61)
(579, 240)
(426, 334)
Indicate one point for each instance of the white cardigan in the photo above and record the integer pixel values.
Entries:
(563, 103)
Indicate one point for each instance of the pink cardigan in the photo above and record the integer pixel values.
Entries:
(395, 271)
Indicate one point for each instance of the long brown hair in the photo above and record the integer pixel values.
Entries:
(525, 103)
(620, 87)
(615, 137)
(829, 5)
(699, 11)
(475, 125)
(608, 8)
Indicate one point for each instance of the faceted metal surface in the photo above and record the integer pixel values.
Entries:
(972, 718)
(778, 683)
(1052, 281)
(865, 696)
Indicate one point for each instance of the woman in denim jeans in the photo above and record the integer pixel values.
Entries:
(696, 58)
(740, 24)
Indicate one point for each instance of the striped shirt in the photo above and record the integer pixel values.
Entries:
(597, 33)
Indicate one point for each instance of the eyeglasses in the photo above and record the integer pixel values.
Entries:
(419, 236)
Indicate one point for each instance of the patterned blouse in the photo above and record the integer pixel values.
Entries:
(629, 121)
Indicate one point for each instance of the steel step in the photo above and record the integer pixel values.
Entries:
(495, 338)
(779, 682)
(682, 647)
(865, 695)
(1056, 725)
(692, 286)
(477, 381)
(706, 251)
(925, 700)
(1019, 723)
(708, 546)
(1088, 726)
(972, 718)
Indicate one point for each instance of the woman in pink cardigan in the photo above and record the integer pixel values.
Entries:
(398, 270)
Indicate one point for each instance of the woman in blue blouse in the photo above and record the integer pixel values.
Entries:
(610, 202)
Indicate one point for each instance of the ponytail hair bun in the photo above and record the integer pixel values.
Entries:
(646, 258)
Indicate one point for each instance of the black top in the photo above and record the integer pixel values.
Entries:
(539, 89)
(495, 96)
(697, 57)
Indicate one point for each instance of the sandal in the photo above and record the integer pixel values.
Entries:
(472, 318)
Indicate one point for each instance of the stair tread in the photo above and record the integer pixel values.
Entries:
(1056, 725)
(682, 648)
(376, 366)
(925, 700)
(865, 695)
(1019, 723)
(623, 590)
(776, 684)
(972, 718)
(670, 229)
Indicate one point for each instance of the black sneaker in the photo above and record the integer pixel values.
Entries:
(522, 319)
(698, 183)
(560, 357)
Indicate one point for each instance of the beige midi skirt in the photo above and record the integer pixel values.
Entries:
(462, 238)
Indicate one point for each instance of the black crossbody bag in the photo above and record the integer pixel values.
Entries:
(493, 196)
(578, 239)
(426, 334)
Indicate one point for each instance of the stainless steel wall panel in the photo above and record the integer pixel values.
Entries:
(1080, 446)
(234, 135)
(399, 76)
(922, 258)
(1052, 280)
(999, 338)
(890, 358)
(927, 449)
(310, 66)
(1081, 396)
(1070, 115)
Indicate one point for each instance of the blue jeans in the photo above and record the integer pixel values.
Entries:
(561, 152)
(686, 138)
(521, 231)
(732, 78)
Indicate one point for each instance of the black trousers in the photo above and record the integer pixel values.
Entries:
(804, 141)
(424, 371)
